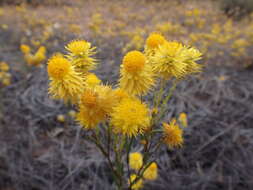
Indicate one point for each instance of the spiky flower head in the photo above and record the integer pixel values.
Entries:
(95, 106)
(172, 134)
(120, 94)
(138, 184)
(151, 172)
(135, 160)
(172, 59)
(136, 76)
(154, 40)
(130, 117)
(192, 55)
(169, 60)
(92, 80)
(80, 53)
(65, 83)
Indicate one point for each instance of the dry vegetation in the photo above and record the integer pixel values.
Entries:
(39, 151)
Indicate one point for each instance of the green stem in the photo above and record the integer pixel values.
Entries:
(158, 96)
(165, 102)
(106, 155)
(127, 158)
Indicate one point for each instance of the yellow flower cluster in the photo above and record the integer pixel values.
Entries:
(35, 59)
(121, 111)
(5, 76)
(71, 81)
(136, 163)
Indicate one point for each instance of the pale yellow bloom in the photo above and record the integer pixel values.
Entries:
(135, 160)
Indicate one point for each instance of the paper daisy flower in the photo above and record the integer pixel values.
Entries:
(92, 80)
(151, 172)
(135, 160)
(153, 42)
(169, 60)
(65, 83)
(130, 117)
(172, 134)
(80, 53)
(138, 184)
(96, 104)
(136, 75)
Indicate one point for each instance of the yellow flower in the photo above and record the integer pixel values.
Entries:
(72, 113)
(172, 59)
(40, 55)
(6, 81)
(169, 60)
(130, 117)
(61, 118)
(151, 172)
(135, 160)
(92, 80)
(25, 49)
(136, 76)
(35, 59)
(96, 105)
(120, 94)
(137, 185)
(80, 53)
(65, 82)
(152, 43)
(154, 40)
(172, 134)
(183, 119)
(4, 67)
(192, 55)
(134, 61)
(58, 67)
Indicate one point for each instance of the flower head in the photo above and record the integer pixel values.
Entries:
(151, 172)
(92, 80)
(138, 184)
(65, 83)
(169, 60)
(58, 67)
(61, 118)
(120, 94)
(80, 53)
(130, 117)
(134, 61)
(172, 59)
(183, 119)
(135, 160)
(4, 67)
(95, 106)
(154, 40)
(25, 49)
(172, 134)
(136, 76)
(192, 55)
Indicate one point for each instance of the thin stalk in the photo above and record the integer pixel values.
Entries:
(127, 158)
(158, 96)
(106, 155)
(165, 101)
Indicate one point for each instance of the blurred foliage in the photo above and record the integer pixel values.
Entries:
(237, 8)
